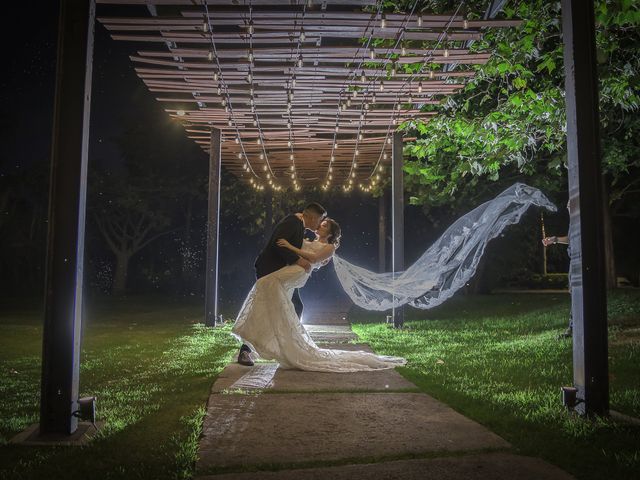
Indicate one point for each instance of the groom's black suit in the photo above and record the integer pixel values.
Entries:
(273, 257)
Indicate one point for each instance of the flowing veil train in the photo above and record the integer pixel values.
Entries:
(447, 264)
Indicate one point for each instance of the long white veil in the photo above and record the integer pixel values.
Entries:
(447, 264)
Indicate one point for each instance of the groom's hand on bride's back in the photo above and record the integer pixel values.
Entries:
(304, 264)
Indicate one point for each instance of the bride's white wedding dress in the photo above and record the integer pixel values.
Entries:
(268, 323)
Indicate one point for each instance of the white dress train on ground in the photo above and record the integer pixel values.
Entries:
(268, 323)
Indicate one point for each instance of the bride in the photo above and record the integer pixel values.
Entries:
(269, 324)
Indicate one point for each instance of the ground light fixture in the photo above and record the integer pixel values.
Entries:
(86, 409)
(570, 397)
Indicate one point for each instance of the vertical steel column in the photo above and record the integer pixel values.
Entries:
(588, 288)
(382, 233)
(397, 209)
(67, 211)
(213, 222)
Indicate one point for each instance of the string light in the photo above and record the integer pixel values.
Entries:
(383, 21)
(419, 87)
(420, 20)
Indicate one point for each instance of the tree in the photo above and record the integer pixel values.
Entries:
(509, 121)
(129, 214)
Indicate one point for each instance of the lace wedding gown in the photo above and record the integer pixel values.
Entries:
(268, 323)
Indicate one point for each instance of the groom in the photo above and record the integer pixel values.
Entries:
(273, 257)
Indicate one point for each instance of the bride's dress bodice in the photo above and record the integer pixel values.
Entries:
(314, 247)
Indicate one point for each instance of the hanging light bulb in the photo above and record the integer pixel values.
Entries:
(465, 24)
(403, 51)
(330, 169)
(302, 35)
(219, 91)
(355, 94)
(410, 99)
(446, 52)
(385, 156)
(357, 152)
(383, 21)
(251, 29)
(381, 86)
(293, 80)
(264, 168)
(255, 122)
(333, 158)
(373, 98)
(237, 140)
(372, 53)
(337, 128)
(259, 141)
(262, 156)
(431, 74)
(290, 95)
(224, 102)
(210, 55)
(293, 167)
(251, 90)
(215, 76)
(289, 143)
(205, 26)
(419, 87)
(389, 140)
(348, 102)
(393, 69)
(300, 62)
(363, 79)
(419, 20)
(394, 121)
(251, 56)
(239, 156)
(249, 77)
(359, 136)
(230, 123)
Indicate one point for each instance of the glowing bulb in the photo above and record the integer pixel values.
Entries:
(249, 77)
(420, 87)
(389, 140)
(302, 35)
(383, 21)
(237, 140)
(446, 53)
(251, 29)
(372, 54)
(348, 102)
(251, 56)
(210, 55)
(359, 136)
(219, 91)
(255, 122)
(363, 79)
(259, 141)
(262, 156)
(293, 80)
(264, 167)
(300, 62)
(465, 24)
(385, 156)
(180, 113)
(355, 94)
(381, 85)
(240, 156)
(215, 77)
(403, 51)
(224, 102)
(420, 20)
(393, 69)
(431, 74)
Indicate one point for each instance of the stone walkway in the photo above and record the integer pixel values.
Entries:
(286, 424)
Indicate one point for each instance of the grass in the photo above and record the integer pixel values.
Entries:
(496, 359)
(151, 365)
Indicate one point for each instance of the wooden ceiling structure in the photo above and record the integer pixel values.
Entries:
(305, 93)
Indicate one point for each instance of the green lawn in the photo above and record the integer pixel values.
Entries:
(496, 359)
(150, 363)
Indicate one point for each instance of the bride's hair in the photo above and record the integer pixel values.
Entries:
(334, 232)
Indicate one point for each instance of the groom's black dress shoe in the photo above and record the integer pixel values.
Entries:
(244, 358)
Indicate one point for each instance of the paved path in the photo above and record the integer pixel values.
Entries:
(267, 423)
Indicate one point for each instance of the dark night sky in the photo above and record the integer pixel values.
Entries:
(120, 99)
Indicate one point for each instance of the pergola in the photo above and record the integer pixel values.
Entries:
(299, 94)
(304, 93)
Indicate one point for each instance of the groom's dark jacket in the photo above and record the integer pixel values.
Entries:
(273, 257)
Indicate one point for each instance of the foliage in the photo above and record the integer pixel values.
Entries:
(510, 119)
(496, 359)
